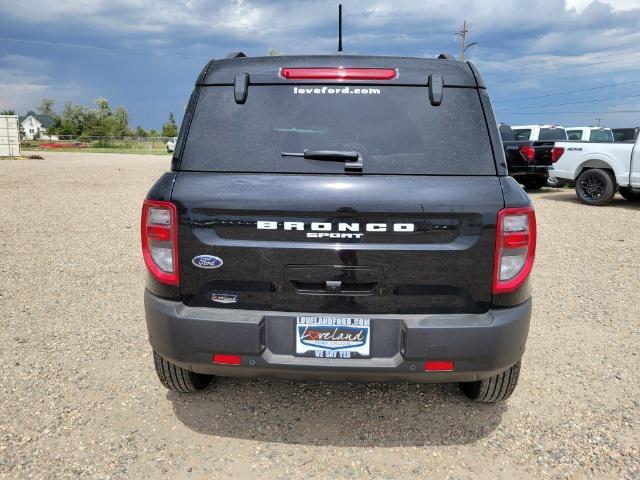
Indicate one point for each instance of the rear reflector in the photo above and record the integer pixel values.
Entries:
(515, 248)
(438, 366)
(159, 234)
(338, 73)
(223, 359)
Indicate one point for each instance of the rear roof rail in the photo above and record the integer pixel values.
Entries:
(236, 55)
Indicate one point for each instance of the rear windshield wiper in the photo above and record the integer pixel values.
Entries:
(352, 159)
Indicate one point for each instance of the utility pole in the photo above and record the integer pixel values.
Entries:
(599, 119)
(463, 40)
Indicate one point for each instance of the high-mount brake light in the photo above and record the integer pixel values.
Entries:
(528, 152)
(556, 153)
(515, 248)
(324, 73)
(159, 235)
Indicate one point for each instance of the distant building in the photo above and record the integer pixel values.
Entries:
(35, 126)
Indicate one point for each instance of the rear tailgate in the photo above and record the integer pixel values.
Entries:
(396, 244)
(517, 157)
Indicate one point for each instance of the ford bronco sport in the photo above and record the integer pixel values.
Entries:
(339, 218)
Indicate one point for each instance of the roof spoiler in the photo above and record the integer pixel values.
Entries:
(446, 56)
(236, 55)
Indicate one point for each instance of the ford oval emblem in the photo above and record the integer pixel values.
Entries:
(207, 261)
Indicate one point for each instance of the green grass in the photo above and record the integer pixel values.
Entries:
(155, 151)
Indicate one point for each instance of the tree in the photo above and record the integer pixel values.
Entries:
(74, 119)
(46, 107)
(140, 132)
(7, 112)
(120, 122)
(104, 110)
(170, 129)
(153, 132)
(99, 122)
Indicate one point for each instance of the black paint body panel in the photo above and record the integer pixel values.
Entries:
(414, 253)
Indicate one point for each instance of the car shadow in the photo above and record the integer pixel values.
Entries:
(337, 414)
(618, 201)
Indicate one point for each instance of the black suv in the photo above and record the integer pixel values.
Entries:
(343, 218)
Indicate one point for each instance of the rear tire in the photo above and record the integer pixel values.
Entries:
(629, 194)
(535, 183)
(178, 379)
(555, 182)
(493, 389)
(595, 187)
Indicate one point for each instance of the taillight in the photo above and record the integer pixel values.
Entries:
(528, 153)
(515, 248)
(338, 73)
(556, 153)
(160, 240)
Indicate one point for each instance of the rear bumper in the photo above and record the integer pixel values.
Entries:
(529, 170)
(481, 345)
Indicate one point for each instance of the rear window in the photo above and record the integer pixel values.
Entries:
(625, 134)
(395, 129)
(601, 136)
(521, 134)
(574, 134)
(552, 134)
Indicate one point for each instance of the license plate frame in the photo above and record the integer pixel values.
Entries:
(332, 337)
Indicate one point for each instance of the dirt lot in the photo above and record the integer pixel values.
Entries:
(79, 396)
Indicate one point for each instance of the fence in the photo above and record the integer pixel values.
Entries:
(82, 141)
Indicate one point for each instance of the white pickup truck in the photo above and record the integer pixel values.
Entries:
(600, 169)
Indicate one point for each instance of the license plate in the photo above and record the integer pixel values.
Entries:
(333, 337)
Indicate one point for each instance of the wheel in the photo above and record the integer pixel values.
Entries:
(595, 187)
(168, 150)
(493, 389)
(178, 379)
(555, 182)
(630, 194)
(534, 183)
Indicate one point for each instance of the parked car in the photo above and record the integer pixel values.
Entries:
(171, 144)
(601, 169)
(625, 134)
(590, 134)
(333, 217)
(539, 133)
(528, 161)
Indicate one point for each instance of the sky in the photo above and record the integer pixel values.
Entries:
(565, 62)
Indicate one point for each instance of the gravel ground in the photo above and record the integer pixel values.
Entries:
(80, 397)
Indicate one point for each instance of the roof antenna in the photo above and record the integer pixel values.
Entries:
(339, 28)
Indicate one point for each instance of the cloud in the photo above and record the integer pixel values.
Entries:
(146, 53)
(25, 80)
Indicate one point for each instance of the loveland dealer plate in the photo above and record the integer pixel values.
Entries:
(333, 337)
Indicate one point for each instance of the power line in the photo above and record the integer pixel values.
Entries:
(571, 103)
(74, 45)
(612, 85)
